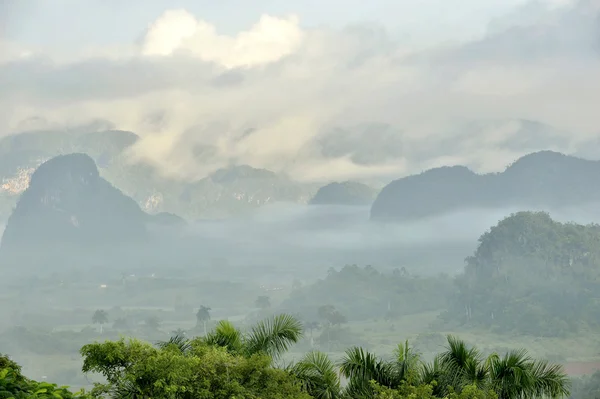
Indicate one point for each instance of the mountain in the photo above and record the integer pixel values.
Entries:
(544, 179)
(226, 192)
(239, 189)
(344, 193)
(531, 275)
(21, 154)
(68, 207)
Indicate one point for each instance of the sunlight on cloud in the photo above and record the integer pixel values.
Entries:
(303, 101)
(270, 39)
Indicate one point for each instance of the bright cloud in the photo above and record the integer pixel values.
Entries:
(269, 40)
(323, 103)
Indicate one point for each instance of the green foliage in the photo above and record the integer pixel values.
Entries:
(532, 275)
(458, 372)
(14, 385)
(137, 369)
(272, 336)
(362, 293)
(318, 376)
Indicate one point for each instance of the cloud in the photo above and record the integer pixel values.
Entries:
(269, 40)
(327, 104)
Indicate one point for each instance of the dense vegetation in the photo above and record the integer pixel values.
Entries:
(536, 181)
(14, 385)
(229, 363)
(532, 275)
(363, 293)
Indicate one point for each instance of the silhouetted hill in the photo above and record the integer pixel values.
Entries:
(226, 192)
(538, 180)
(344, 193)
(69, 207)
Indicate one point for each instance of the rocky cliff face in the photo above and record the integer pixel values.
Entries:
(67, 205)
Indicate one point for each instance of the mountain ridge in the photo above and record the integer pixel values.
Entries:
(539, 179)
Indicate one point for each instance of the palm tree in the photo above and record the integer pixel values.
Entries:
(180, 342)
(311, 325)
(516, 375)
(512, 376)
(202, 316)
(361, 367)
(461, 366)
(272, 336)
(152, 323)
(100, 317)
(318, 376)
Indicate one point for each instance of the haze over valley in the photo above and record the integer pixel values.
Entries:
(259, 200)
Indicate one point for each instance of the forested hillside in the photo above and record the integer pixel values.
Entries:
(533, 275)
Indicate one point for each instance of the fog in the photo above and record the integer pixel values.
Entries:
(314, 93)
(309, 239)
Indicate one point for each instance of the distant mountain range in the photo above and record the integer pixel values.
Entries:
(536, 181)
(224, 193)
(540, 179)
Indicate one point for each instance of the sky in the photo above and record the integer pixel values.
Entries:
(319, 90)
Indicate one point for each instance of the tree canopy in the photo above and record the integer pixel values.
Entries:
(533, 275)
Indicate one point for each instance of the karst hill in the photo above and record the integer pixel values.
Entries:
(540, 180)
(68, 208)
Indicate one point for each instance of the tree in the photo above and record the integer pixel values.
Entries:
(318, 376)
(272, 336)
(100, 317)
(460, 372)
(333, 317)
(14, 385)
(152, 323)
(263, 302)
(135, 369)
(311, 325)
(361, 367)
(202, 316)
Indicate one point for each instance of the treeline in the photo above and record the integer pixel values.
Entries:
(364, 293)
(230, 363)
(529, 275)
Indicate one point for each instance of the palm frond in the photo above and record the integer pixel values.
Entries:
(273, 336)
(318, 376)
(462, 365)
(225, 335)
(361, 367)
(408, 363)
(550, 380)
(510, 375)
(179, 341)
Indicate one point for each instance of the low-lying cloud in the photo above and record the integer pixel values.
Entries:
(322, 104)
